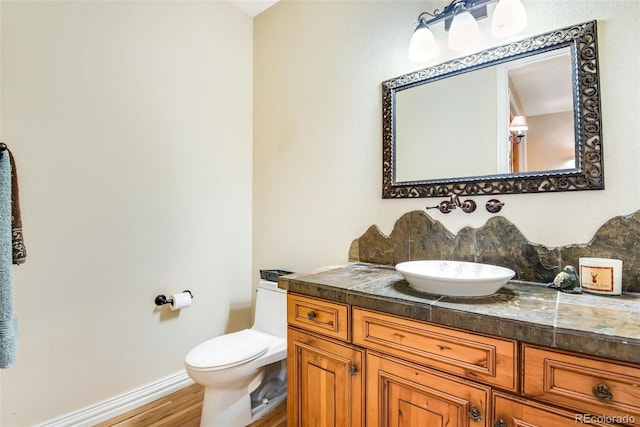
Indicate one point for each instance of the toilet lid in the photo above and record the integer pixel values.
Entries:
(228, 350)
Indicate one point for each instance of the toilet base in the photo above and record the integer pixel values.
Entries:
(238, 407)
(216, 414)
(232, 408)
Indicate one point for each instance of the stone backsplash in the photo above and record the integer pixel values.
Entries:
(417, 236)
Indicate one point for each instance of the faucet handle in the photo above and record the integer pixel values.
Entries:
(494, 205)
(444, 206)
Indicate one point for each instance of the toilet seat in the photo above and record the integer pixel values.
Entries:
(215, 354)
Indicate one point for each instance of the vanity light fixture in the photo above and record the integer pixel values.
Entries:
(518, 124)
(460, 19)
(464, 33)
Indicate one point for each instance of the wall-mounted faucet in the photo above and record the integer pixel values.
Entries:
(447, 206)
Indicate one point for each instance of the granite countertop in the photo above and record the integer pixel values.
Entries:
(606, 326)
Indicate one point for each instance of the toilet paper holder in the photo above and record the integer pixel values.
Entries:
(162, 299)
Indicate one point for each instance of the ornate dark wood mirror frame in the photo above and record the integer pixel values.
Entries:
(588, 173)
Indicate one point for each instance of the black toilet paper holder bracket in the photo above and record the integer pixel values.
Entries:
(162, 299)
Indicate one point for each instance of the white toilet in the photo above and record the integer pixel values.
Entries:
(244, 373)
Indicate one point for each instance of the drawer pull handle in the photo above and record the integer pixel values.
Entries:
(475, 414)
(500, 423)
(311, 315)
(601, 392)
(353, 371)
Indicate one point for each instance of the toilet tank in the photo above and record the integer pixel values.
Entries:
(271, 309)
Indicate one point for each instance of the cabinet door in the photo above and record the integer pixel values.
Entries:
(511, 411)
(325, 384)
(401, 394)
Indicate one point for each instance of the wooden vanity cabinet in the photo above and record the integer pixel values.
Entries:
(325, 374)
(350, 367)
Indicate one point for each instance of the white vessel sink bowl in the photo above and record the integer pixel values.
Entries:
(455, 278)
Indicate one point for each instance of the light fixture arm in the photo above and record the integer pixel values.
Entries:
(460, 19)
(477, 8)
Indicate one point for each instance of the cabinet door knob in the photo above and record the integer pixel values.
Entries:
(475, 414)
(353, 370)
(601, 392)
(311, 315)
(500, 423)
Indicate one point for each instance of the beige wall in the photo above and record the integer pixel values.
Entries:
(553, 145)
(131, 126)
(317, 127)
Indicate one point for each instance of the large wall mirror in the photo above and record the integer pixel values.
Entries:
(519, 118)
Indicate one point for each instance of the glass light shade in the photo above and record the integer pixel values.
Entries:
(423, 45)
(509, 17)
(464, 33)
(518, 124)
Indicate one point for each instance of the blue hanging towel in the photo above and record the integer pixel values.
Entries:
(8, 323)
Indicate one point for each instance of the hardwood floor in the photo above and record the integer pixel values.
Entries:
(182, 409)
(275, 418)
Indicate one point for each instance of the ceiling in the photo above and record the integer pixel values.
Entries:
(252, 7)
(544, 86)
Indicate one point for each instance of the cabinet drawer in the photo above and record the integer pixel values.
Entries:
(477, 357)
(325, 317)
(513, 411)
(585, 384)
